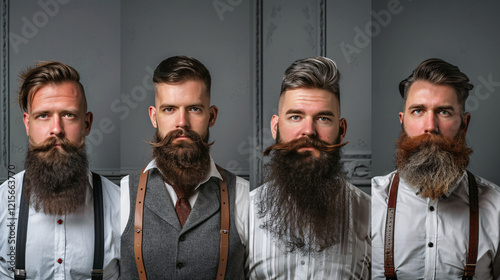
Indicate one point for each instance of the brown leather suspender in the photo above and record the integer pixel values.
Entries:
(224, 232)
(470, 266)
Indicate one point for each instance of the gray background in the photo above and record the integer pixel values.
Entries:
(247, 45)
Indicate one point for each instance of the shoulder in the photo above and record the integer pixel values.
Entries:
(14, 181)
(380, 185)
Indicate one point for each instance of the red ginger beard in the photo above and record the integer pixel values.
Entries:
(182, 164)
(430, 163)
(56, 180)
(305, 205)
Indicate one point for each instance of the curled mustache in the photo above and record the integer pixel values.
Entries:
(294, 145)
(50, 143)
(195, 137)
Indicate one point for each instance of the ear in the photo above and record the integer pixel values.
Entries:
(26, 120)
(343, 129)
(214, 111)
(274, 125)
(466, 121)
(152, 116)
(89, 118)
(401, 116)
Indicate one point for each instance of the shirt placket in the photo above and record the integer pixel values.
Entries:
(60, 245)
(431, 239)
(303, 267)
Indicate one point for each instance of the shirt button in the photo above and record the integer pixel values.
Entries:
(431, 208)
(430, 244)
(182, 238)
(180, 265)
(59, 261)
(60, 222)
(302, 262)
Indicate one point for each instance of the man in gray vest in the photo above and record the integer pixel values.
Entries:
(431, 218)
(175, 224)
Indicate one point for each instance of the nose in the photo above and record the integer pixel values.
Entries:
(431, 124)
(308, 128)
(182, 119)
(57, 127)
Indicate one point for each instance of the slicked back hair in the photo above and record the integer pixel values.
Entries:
(43, 74)
(180, 69)
(439, 72)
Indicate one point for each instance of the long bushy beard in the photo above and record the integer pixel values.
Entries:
(431, 163)
(56, 180)
(304, 205)
(183, 164)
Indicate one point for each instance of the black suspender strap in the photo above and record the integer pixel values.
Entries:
(470, 266)
(20, 270)
(97, 271)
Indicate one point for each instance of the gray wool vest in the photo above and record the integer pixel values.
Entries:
(172, 252)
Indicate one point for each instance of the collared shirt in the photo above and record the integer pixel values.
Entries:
(431, 237)
(348, 260)
(59, 246)
(241, 199)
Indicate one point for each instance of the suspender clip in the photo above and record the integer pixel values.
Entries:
(20, 272)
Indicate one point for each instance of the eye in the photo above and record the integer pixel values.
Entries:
(324, 119)
(195, 109)
(295, 117)
(417, 111)
(445, 113)
(168, 109)
(42, 116)
(69, 115)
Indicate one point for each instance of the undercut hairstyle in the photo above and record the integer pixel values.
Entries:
(43, 74)
(439, 72)
(314, 73)
(180, 69)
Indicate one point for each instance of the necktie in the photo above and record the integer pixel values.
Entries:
(182, 208)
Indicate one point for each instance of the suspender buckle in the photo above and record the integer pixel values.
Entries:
(20, 272)
(97, 271)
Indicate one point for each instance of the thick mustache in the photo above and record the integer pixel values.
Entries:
(172, 135)
(303, 142)
(50, 143)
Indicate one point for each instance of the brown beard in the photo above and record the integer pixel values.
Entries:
(305, 202)
(431, 163)
(183, 164)
(56, 180)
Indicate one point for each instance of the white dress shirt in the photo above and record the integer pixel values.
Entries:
(348, 260)
(241, 199)
(431, 237)
(59, 246)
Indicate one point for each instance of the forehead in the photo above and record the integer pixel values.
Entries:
(426, 93)
(58, 96)
(309, 100)
(189, 91)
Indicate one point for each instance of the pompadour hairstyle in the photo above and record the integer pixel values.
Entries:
(179, 69)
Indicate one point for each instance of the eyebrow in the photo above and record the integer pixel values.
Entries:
(321, 113)
(163, 106)
(444, 107)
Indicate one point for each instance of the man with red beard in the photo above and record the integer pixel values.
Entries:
(183, 217)
(60, 222)
(433, 219)
(307, 221)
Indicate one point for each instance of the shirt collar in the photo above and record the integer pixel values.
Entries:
(447, 194)
(213, 172)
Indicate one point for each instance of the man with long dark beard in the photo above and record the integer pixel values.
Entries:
(431, 218)
(183, 217)
(60, 222)
(307, 221)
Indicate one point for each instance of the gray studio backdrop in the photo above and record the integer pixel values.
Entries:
(247, 45)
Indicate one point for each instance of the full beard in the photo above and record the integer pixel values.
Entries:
(430, 163)
(56, 180)
(182, 164)
(305, 203)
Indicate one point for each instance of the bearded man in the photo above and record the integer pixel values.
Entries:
(60, 219)
(307, 221)
(433, 219)
(183, 217)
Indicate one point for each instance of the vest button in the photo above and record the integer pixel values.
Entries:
(431, 208)
(430, 244)
(182, 238)
(180, 265)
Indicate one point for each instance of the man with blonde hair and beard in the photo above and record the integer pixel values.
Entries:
(60, 222)
(183, 217)
(307, 221)
(431, 218)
